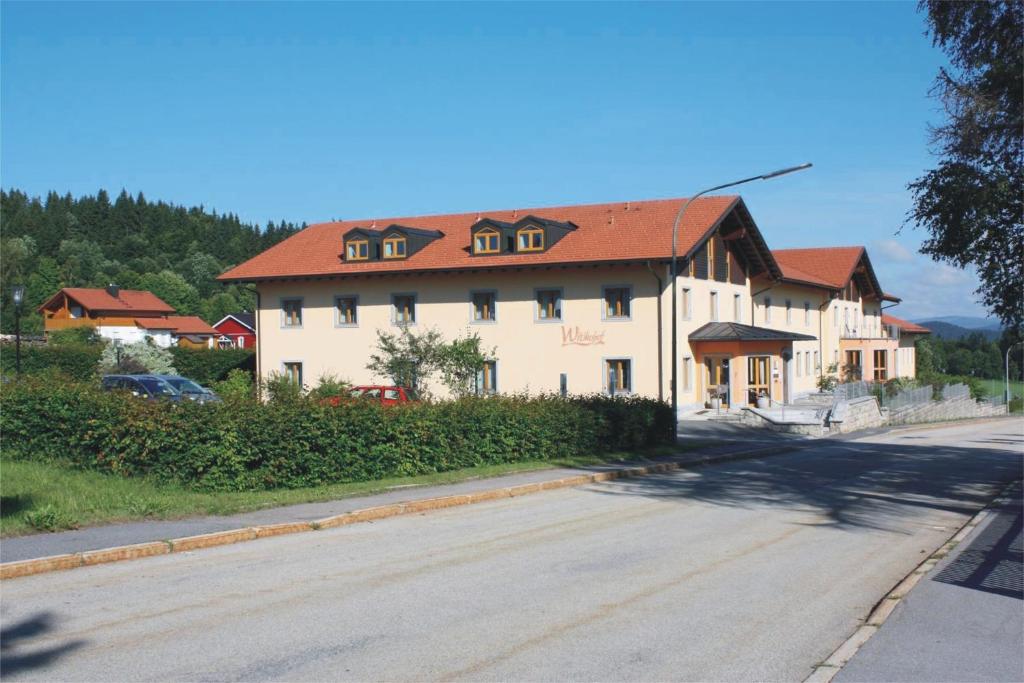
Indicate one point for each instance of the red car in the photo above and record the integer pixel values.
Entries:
(385, 395)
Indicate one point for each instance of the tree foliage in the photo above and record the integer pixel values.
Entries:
(143, 356)
(176, 252)
(971, 203)
(412, 360)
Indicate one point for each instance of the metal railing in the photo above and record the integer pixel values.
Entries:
(907, 398)
(951, 391)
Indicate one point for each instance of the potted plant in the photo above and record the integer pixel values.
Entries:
(763, 401)
(714, 397)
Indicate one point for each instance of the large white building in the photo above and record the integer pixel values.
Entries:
(579, 299)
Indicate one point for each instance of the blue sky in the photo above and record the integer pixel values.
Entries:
(309, 112)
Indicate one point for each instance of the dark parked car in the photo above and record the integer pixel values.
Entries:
(190, 389)
(150, 387)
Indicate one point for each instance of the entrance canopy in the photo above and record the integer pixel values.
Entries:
(735, 332)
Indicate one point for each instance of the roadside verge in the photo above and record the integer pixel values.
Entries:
(28, 567)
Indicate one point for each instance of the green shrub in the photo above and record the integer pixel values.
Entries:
(50, 518)
(238, 386)
(330, 385)
(248, 445)
(72, 359)
(207, 366)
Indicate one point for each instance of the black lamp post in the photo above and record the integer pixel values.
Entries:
(18, 295)
(675, 239)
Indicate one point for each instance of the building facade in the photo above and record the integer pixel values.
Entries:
(572, 299)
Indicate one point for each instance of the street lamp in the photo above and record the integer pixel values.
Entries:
(18, 296)
(675, 242)
(1008, 348)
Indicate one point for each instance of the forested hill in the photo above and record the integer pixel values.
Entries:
(174, 251)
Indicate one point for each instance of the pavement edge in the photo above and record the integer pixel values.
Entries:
(834, 663)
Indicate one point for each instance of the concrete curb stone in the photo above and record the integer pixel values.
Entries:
(41, 565)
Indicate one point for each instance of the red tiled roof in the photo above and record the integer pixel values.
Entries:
(154, 323)
(830, 266)
(127, 300)
(177, 324)
(189, 324)
(904, 325)
(605, 232)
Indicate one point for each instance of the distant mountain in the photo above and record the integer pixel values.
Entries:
(945, 330)
(965, 321)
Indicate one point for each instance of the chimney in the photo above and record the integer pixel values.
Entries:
(113, 290)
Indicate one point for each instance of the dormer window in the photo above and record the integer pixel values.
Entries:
(487, 241)
(530, 238)
(357, 250)
(394, 247)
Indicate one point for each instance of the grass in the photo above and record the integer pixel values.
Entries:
(44, 496)
(996, 387)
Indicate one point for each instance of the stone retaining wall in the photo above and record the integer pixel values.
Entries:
(858, 413)
(938, 411)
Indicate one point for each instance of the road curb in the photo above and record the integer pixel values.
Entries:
(53, 563)
(827, 670)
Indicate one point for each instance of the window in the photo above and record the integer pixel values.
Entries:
(487, 378)
(394, 247)
(357, 250)
(75, 311)
(345, 311)
(687, 311)
(714, 307)
(789, 312)
(486, 241)
(291, 312)
(530, 239)
(618, 377)
(403, 309)
(807, 363)
(767, 309)
(737, 308)
(807, 314)
(617, 303)
(483, 307)
(549, 304)
(817, 364)
(687, 374)
(835, 316)
(881, 371)
(799, 364)
(293, 371)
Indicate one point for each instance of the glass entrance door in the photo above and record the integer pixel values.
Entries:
(717, 375)
(758, 378)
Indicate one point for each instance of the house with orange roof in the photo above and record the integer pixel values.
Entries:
(572, 299)
(124, 315)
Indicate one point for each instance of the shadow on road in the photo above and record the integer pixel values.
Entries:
(16, 638)
(850, 484)
(993, 562)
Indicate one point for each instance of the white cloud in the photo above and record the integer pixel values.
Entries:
(891, 251)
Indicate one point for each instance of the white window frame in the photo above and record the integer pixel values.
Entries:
(472, 307)
(604, 304)
(415, 313)
(355, 309)
(284, 317)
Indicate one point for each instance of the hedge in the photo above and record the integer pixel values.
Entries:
(211, 365)
(250, 446)
(77, 361)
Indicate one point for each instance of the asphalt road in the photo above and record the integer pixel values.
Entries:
(752, 570)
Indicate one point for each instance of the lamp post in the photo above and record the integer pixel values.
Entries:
(1008, 348)
(675, 243)
(18, 296)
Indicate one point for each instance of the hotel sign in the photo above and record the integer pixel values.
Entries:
(574, 336)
